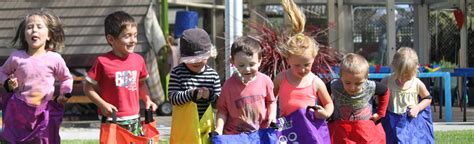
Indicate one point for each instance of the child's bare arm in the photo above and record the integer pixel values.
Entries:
(276, 83)
(144, 95)
(325, 100)
(105, 107)
(425, 102)
(221, 119)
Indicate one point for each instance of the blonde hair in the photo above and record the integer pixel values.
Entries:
(405, 62)
(298, 44)
(354, 64)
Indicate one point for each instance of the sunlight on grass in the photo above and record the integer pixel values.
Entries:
(454, 137)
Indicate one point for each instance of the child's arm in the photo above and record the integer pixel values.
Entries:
(270, 104)
(276, 83)
(65, 78)
(143, 92)
(216, 91)
(105, 107)
(426, 99)
(177, 94)
(6, 78)
(221, 112)
(383, 94)
(323, 96)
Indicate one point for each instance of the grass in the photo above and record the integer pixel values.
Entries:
(454, 137)
(163, 141)
(444, 137)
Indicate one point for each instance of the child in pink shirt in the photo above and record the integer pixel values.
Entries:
(33, 114)
(247, 102)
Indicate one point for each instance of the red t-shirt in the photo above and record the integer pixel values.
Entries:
(118, 79)
(245, 105)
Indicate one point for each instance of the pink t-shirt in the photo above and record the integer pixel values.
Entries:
(118, 79)
(37, 74)
(293, 98)
(245, 105)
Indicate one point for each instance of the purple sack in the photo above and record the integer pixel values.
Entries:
(23, 123)
(301, 127)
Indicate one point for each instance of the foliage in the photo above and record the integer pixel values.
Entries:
(272, 37)
(454, 137)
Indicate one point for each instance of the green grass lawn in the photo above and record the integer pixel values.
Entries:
(454, 137)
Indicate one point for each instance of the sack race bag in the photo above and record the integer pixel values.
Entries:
(357, 131)
(186, 128)
(23, 123)
(111, 133)
(405, 129)
(301, 127)
(262, 136)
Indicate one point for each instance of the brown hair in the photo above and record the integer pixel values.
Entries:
(299, 43)
(248, 45)
(55, 32)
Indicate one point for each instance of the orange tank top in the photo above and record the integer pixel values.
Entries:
(293, 98)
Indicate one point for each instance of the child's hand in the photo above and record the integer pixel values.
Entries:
(320, 112)
(61, 99)
(203, 93)
(12, 82)
(150, 105)
(375, 117)
(414, 110)
(107, 109)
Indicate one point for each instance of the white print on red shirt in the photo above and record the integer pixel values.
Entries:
(127, 79)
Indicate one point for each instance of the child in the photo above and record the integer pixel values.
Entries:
(404, 103)
(193, 82)
(352, 94)
(298, 87)
(32, 114)
(247, 102)
(120, 75)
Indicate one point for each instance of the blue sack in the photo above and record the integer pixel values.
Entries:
(405, 129)
(262, 136)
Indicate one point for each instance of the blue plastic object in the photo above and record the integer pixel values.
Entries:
(185, 20)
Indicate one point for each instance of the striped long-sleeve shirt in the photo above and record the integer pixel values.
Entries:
(183, 82)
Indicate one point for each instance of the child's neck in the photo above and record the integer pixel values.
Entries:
(121, 55)
(36, 52)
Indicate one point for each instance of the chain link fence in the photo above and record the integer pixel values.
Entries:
(370, 30)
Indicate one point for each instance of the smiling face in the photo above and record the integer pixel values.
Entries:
(246, 65)
(300, 66)
(197, 67)
(353, 82)
(36, 32)
(125, 42)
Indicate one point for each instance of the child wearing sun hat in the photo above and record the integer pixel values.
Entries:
(193, 85)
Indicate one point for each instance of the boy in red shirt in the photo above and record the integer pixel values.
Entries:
(120, 75)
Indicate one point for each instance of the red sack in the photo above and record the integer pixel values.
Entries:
(359, 131)
(111, 133)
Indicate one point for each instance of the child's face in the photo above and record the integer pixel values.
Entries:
(246, 65)
(125, 43)
(36, 32)
(197, 67)
(353, 83)
(300, 66)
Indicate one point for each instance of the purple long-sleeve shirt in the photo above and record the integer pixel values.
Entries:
(37, 74)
